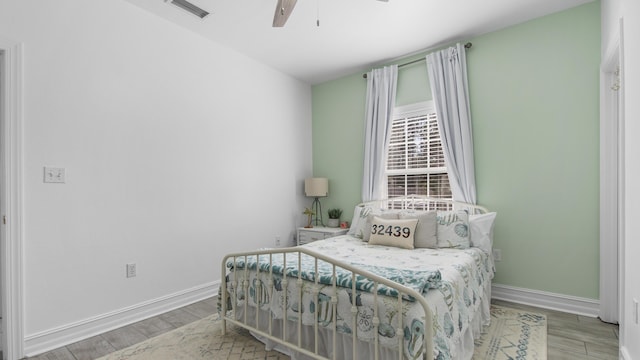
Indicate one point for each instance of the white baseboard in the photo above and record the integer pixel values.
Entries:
(67, 334)
(546, 300)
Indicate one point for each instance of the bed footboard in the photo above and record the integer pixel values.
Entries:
(236, 307)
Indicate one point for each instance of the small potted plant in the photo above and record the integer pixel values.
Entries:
(334, 217)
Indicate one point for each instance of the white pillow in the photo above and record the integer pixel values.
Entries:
(393, 232)
(453, 229)
(425, 236)
(482, 231)
(354, 221)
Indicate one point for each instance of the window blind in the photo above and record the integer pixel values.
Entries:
(415, 159)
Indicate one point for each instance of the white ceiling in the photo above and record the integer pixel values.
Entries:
(354, 35)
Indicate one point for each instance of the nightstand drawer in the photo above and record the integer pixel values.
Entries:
(307, 235)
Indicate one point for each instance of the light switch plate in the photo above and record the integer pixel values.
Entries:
(54, 175)
(131, 270)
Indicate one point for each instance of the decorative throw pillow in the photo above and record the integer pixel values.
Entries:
(385, 214)
(360, 225)
(355, 221)
(393, 232)
(453, 229)
(482, 231)
(425, 236)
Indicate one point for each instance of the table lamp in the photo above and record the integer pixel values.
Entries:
(316, 188)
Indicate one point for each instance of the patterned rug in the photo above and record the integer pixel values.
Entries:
(513, 334)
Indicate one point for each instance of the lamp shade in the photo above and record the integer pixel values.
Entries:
(316, 187)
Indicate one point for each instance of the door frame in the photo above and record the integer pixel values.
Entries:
(11, 200)
(611, 183)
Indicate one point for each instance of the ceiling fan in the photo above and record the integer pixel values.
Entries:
(284, 9)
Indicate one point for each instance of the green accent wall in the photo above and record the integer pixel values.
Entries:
(338, 140)
(534, 91)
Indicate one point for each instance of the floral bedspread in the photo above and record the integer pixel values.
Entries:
(452, 281)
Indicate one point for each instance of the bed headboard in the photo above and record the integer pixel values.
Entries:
(421, 202)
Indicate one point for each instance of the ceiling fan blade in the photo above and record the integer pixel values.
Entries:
(283, 10)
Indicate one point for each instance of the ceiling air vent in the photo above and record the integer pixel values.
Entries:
(190, 7)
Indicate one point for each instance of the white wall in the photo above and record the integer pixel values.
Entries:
(629, 11)
(177, 151)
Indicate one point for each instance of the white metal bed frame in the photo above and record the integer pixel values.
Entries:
(409, 202)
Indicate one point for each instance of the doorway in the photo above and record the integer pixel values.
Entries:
(2, 196)
(11, 297)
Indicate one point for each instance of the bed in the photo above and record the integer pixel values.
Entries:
(410, 280)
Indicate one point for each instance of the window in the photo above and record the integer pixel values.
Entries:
(415, 159)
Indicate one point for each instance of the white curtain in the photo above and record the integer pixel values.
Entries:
(381, 98)
(448, 79)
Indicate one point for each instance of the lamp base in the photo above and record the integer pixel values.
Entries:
(317, 208)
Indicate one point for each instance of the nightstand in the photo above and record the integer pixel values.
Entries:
(307, 235)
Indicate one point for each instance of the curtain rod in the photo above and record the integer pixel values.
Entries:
(466, 46)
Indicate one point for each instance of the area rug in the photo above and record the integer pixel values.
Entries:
(201, 339)
(513, 334)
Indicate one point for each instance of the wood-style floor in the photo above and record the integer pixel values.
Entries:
(570, 337)
(126, 336)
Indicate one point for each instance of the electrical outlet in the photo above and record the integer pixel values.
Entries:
(54, 175)
(497, 255)
(131, 270)
(277, 240)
